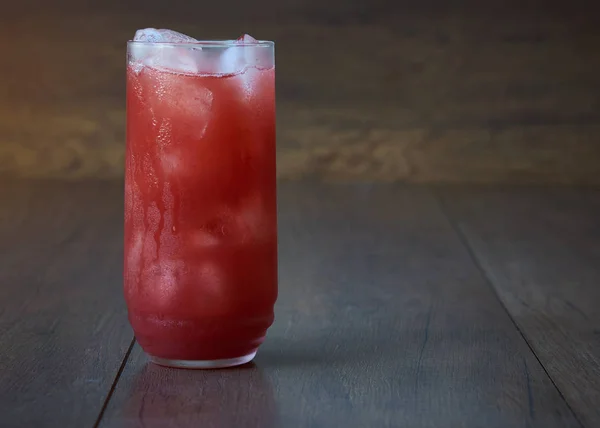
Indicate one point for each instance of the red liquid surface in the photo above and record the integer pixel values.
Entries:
(200, 271)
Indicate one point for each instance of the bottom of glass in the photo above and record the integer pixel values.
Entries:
(203, 364)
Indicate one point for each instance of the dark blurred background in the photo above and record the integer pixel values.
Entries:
(422, 91)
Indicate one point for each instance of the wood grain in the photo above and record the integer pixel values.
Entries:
(382, 321)
(541, 249)
(63, 327)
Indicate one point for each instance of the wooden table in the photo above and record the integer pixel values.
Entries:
(399, 307)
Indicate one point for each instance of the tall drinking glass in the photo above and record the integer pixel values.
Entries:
(200, 273)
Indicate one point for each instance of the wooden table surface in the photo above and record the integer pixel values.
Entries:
(399, 306)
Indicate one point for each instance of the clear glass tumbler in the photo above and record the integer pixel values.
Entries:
(200, 273)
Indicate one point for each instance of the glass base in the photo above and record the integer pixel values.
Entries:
(203, 364)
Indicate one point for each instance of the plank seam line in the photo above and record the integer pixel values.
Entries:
(465, 242)
(114, 384)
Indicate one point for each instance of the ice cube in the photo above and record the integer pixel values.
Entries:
(161, 35)
(237, 58)
(252, 219)
(231, 61)
(174, 59)
(213, 280)
(173, 97)
(161, 281)
(246, 38)
(166, 57)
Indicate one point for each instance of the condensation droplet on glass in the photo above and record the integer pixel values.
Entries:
(164, 134)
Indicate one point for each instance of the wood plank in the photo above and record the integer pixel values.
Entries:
(63, 326)
(541, 249)
(382, 321)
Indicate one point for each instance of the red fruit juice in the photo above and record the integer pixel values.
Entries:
(200, 271)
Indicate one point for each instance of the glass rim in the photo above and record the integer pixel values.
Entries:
(206, 43)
